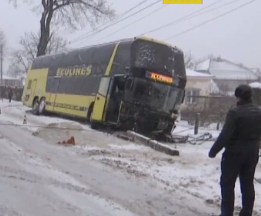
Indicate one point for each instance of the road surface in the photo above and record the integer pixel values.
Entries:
(38, 178)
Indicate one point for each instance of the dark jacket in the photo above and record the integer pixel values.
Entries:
(242, 130)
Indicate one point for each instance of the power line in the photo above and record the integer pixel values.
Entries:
(203, 23)
(142, 9)
(117, 17)
(128, 25)
(223, 5)
(187, 16)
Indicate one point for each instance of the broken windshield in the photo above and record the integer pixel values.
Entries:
(153, 95)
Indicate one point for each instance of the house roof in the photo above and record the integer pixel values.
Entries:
(10, 77)
(255, 70)
(191, 73)
(224, 69)
(255, 85)
(204, 66)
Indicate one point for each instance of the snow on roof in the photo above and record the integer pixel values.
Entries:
(255, 70)
(10, 77)
(191, 73)
(255, 85)
(224, 69)
(204, 65)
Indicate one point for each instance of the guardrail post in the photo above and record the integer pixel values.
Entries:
(196, 123)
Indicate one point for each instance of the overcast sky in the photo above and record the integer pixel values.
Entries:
(235, 36)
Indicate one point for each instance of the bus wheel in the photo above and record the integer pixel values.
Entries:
(94, 125)
(89, 114)
(35, 109)
(41, 106)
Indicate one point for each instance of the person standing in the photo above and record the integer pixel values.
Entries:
(10, 93)
(240, 137)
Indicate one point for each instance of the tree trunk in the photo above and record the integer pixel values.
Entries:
(45, 24)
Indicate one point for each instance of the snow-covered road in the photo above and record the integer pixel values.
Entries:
(30, 185)
(101, 175)
(44, 179)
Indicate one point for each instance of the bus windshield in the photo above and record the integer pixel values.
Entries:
(153, 56)
(154, 95)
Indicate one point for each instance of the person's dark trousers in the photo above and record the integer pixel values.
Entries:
(10, 99)
(233, 165)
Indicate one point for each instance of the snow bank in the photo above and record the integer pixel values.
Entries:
(15, 113)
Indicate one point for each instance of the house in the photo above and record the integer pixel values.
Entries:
(227, 75)
(199, 88)
(11, 81)
(198, 84)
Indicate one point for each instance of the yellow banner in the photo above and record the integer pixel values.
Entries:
(182, 1)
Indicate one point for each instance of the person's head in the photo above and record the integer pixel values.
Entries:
(243, 93)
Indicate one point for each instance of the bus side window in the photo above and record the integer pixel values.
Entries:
(129, 84)
(29, 84)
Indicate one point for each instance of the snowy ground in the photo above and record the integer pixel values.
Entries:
(102, 172)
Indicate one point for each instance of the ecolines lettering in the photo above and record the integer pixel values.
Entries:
(75, 71)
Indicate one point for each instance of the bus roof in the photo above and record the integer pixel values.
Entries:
(45, 61)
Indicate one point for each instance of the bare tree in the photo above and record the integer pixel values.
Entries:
(199, 61)
(189, 61)
(68, 13)
(22, 58)
(2, 38)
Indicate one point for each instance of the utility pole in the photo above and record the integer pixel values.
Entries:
(1, 68)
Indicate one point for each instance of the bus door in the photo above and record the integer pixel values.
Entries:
(102, 99)
(34, 86)
(52, 95)
(30, 91)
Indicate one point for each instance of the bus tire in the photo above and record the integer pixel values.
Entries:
(35, 108)
(89, 114)
(41, 108)
(94, 124)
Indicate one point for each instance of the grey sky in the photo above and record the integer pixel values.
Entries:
(235, 37)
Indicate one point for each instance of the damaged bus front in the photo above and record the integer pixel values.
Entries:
(154, 89)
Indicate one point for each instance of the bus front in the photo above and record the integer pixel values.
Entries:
(155, 88)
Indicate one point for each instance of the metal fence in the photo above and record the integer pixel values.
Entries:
(212, 109)
(17, 93)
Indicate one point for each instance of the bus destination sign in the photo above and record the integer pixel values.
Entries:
(161, 78)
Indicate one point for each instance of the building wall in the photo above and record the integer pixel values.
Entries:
(203, 84)
(196, 87)
(12, 82)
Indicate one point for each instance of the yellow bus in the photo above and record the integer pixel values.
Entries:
(132, 83)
